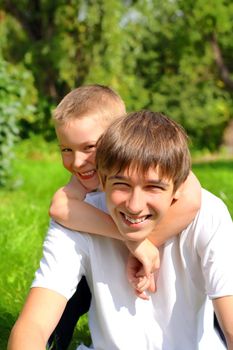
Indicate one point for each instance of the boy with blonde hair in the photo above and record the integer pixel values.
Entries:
(86, 111)
(142, 174)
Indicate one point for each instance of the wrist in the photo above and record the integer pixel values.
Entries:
(133, 245)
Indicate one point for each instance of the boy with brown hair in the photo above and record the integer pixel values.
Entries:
(140, 174)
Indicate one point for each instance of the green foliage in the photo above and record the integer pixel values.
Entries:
(17, 95)
(157, 55)
(201, 108)
(177, 65)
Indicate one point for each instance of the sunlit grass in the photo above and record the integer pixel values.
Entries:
(217, 177)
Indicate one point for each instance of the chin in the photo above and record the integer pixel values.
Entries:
(91, 185)
(135, 236)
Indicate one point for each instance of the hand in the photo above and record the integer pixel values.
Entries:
(146, 253)
(138, 279)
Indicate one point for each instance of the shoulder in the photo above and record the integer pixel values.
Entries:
(62, 238)
(98, 200)
(65, 259)
(213, 223)
(208, 198)
(213, 209)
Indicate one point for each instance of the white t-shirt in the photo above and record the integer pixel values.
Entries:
(195, 268)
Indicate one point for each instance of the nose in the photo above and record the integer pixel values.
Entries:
(134, 203)
(79, 159)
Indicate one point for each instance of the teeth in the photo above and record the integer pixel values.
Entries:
(88, 173)
(135, 221)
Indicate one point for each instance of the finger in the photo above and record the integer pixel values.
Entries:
(138, 283)
(146, 284)
(152, 286)
(143, 285)
(141, 272)
(131, 275)
(141, 295)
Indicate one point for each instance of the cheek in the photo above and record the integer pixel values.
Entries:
(116, 198)
(91, 157)
(66, 162)
(163, 204)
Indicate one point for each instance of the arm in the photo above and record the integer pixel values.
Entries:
(224, 310)
(180, 214)
(78, 215)
(73, 190)
(69, 210)
(40, 315)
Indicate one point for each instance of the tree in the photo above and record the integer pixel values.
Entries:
(16, 85)
(172, 56)
(178, 65)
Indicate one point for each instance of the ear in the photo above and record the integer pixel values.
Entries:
(178, 192)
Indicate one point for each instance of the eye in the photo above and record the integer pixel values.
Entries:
(155, 188)
(66, 150)
(90, 148)
(120, 184)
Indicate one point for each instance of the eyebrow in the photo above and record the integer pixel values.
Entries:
(117, 177)
(150, 181)
(81, 144)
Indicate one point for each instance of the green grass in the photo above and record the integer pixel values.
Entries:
(23, 220)
(217, 177)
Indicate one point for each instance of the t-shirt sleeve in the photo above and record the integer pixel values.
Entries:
(215, 247)
(98, 200)
(63, 262)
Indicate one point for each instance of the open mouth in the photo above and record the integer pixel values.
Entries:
(87, 174)
(134, 221)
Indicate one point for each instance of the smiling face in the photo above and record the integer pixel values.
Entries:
(137, 202)
(77, 140)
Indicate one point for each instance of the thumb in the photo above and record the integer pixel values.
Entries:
(152, 287)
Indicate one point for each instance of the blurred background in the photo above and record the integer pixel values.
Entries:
(173, 56)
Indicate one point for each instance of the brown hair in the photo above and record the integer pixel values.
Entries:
(142, 140)
(97, 100)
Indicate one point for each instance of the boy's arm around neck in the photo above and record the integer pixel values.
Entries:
(180, 214)
(77, 215)
(70, 211)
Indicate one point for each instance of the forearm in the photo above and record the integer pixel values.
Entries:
(230, 345)
(224, 311)
(180, 214)
(229, 340)
(40, 314)
(171, 225)
(81, 216)
(26, 337)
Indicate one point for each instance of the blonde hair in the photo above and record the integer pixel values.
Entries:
(97, 100)
(143, 140)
